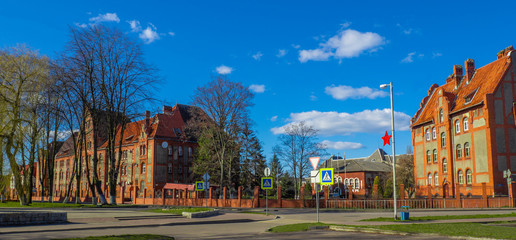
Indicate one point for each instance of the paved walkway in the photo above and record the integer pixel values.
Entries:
(230, 225)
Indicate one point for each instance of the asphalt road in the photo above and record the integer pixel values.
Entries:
(229, 225)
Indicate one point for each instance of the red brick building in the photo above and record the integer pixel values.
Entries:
(464, 134)
(153, 153)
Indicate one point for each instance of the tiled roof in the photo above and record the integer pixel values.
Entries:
(484, 81)
(67, 147)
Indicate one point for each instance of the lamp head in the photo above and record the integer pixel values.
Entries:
(384, 86)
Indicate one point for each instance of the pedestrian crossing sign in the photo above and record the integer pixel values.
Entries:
(267, 183)
(199, 186)
(326, 176)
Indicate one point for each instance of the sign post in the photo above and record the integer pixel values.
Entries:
(206, 177)
(267, 183)
(267, 172)
(315, 162)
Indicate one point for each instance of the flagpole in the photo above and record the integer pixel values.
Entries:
(383, 86)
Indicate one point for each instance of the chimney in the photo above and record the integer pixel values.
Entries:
(502, 53)
(167, 110)
(457, 75)
(469, 64)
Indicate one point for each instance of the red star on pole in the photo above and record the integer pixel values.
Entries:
(386, 139)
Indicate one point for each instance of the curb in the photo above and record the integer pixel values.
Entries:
(201, 214)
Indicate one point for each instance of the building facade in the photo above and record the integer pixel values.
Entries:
(359, 173)
(154, 153)
(464, 133)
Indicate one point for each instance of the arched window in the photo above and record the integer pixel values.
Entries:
(445, 165)
(465, 124)
(429, 179)
(443, 139)
(428, 156)
(466, 150)
(434, 133)
(428, 134)
(458, 151)
(436, 179)
(468, 176)
(457, 126)
(346, 182)
(180, 151)
(441, 115)
(460, 177)
(435, 155)
(143, 167)
(190, 152)
(356, 183)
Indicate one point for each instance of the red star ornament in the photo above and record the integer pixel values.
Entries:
(386, 139)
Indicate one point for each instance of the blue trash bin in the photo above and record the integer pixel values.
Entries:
(404, 213)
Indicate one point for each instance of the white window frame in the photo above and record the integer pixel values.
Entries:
(465, 124)
(434, 133)
(457, 126)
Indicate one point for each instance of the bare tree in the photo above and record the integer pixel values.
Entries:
(112, 67)
(227, 103)
(297, 144)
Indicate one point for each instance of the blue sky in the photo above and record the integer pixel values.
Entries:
(318, 62)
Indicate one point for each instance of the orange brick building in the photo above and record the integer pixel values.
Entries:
(154, 153)
(464, 133)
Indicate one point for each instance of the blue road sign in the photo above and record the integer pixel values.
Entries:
(326, 176)
(199, 186)
(266, 183)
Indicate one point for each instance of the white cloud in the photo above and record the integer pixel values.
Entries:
(409, 58)
(257, 56)
(436, 54)
(345, 25)
(257, 88)
(171, 33)
(108, 17)
(274, 118)
(346, 44)
(342, 92)
(81, 25)
(135, 25)
(335, 123)
(149, 34)
(281, 53)
(223, 69)
(296, 46)
(313, 97)
(341, 145)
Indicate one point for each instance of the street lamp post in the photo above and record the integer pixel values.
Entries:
(383, 86)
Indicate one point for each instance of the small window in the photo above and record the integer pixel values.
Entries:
(436, 179)
(180, 151)
(443, 139)
(428, 160)
(190, 152)
(458, 151)
(441, 115)
(435, 155)
(434, 133)
(170, 168)
(466, 150)
(143, 167)
(346, 182)
(445, 165)
(429, 179)
(465, 124)
(457, 126)
(468, 176)
(428, 134)
(170, 150)
(356, 183)
(460, 177)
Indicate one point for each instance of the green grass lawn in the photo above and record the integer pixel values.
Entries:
(178, 210)
(123, 237)
(15, 204)
(295, 227)
(478, 230)
(446, 217)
